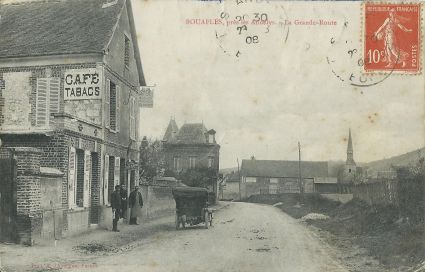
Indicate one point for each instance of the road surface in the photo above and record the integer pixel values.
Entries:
(244, 237)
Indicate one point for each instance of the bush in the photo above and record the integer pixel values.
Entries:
(411, 192)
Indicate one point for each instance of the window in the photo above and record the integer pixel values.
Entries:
(210, 162)
(79, 175)
(71, 178)
(113, 103)
(133, 118)
(274, 180)
(192, 162)
(126, 51)
(250, 179)
(111, 179)
(47, 99)
(177, 166)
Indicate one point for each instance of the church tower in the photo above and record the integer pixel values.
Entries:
(350, 164)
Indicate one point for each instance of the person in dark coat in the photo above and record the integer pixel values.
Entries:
(123, 193)
(136, 203)
(116, 207)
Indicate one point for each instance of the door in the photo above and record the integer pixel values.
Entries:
(7, 196)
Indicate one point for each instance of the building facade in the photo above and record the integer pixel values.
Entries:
(192, 146)
(70, 78)
(273, 176)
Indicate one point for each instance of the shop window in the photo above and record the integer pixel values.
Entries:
(112, 177)
(126, 51)
(47, 99)
(113, 103)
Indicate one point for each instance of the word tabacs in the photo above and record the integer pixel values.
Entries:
(82, 84)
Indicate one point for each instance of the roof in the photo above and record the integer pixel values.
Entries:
(277, 169)
(57, 27)
(190, 134)
(171, 130)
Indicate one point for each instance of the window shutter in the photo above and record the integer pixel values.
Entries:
(105, 181)
(117, 171)
(132, 121)
(107, 103)
(136, 118)
(71, 178)
(118, 105)
(54, 86)
(42, 100)
(87, 181)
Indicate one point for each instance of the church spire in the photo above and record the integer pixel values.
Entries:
(350, 153)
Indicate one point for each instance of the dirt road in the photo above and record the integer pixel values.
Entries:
(245, 237)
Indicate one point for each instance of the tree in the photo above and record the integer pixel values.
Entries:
(199, 177)
(151, 161)
(411, 191)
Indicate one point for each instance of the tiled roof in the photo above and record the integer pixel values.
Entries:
(270, 168)
(171, 130)
(190, 134)
(57, 27)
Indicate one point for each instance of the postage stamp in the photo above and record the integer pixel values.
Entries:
(392, 37)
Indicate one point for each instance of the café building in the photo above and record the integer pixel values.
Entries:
(70, 89)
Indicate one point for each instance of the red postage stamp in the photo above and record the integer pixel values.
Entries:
(392, 37)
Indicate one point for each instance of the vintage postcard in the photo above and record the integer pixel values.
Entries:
(237, 135)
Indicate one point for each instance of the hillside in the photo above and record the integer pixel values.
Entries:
(226, 171)
(409, 158)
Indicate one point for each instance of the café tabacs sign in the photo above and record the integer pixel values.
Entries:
(82, 84)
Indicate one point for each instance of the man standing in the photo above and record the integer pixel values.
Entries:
(116, 207)
(136, 203)
(123, 193)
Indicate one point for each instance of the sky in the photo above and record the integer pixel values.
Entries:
(278, 91)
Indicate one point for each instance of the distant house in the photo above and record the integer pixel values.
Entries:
(231, 186)
(274, 176)
(326, 185)
(192, 146)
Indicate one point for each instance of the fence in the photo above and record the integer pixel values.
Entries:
(378, 192)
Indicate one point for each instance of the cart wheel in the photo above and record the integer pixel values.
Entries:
(207, 219)
(177, 222)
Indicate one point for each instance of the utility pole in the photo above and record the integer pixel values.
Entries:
(301, 183)
(239, 178)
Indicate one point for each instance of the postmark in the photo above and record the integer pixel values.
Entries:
(249, 26)
(392, 36)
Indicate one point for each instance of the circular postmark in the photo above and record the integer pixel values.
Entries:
(346, 60)
(249, 26)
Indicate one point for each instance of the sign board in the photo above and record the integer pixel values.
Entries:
(146, 96)
(82, 84)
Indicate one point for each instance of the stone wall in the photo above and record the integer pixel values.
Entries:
(28, 195)
(158, 201)
(51, 203)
